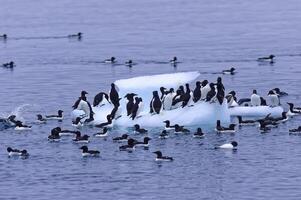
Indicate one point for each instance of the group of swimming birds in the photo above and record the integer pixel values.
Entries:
(168, 99)
(174, 61)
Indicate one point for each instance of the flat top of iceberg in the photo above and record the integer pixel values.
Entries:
(157, 81)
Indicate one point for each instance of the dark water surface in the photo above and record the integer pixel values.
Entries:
(206, 36)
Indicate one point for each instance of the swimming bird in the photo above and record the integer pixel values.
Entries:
(162, 158)
(54, 135)
(211, 94)
(81, 138)
(221, 129)
(4, 36)
(129, 63)
(155, 104)
(242, 122)
(86, 152)
(267, 59)
(255, 99)
(41, 119)
(77, 123)
(174, 60)
(114, 96)
(101, 99)
(296, 130)
(229, 71)
(197, 92)
(137, 129)
(59, 116)
(78, 35)
(10, 64)
(16, 152)
(129, 147)
(267, 123)
(279, 92)
(110, 60)
(122, 138)
(66, 132)
(283, 118)
(104, 133)
(168, 126)
(293, 110)
(233, 145)
(21, 127)
(145, 142)
(181, 129)
(273, 99)
(107, 123)
(264, 128)
(164, 135)
(199, 133)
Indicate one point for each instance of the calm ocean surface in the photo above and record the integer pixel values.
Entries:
(207, 36)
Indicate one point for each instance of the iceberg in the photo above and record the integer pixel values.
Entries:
(258, 111)
(202, 113)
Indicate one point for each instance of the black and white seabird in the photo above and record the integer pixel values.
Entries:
(279, 92)
(122, 138)
(174, 61)
(293, 110)
(107, 123)
(16, 152)
(89, 153)
(295, 130)
(129, 63)
(137, 129)
(145, 142)
(129, 147)
(273, 99)
(59, 116)
(229, 71)
(197, 94)
(81, 138)
(55, 135)
(101, 99)
(4, 36)
(160, 157)
(211, 94)
(104, 133)
(164, 135)
(233, 145)
(78, 35)
(167, 101)
(242, 122)
(199, 133)
(181, 129)
(186, 97)
(255, 99)
(155, 104)
(110, 60)
(77, 123)
(130, 102)
(10, 65)
(205, 89)
(41, 119)
(168, 126)
(136, 109)
(114, 96)
(269, 59)
(221, 129)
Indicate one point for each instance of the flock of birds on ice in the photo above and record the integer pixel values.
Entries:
(164, 99)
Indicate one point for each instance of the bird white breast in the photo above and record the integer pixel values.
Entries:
(168, 101)
(204, 91)
(54, 140)
(160, 159)
(22, 128)
(79, 125)
(255, 100)
(274, 100)
(140, 108)
(83, 105)
(66, 134)
(14, 153)
(226, 146)
(82, 141)
(102, 135)
(54, 118)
